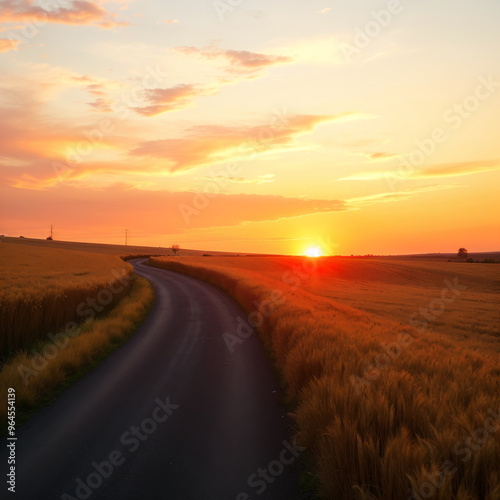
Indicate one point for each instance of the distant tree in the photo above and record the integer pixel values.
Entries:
(175, 249)
(462, 252)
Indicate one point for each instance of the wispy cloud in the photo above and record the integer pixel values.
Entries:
(81, 12)
(151, 208)
(237, 60)
(395, 196)
(209, 144)
(170, 99)
(102, 103)
(241, 65)
(380, 156)
(260, 179)
(457, 169)
(324, 11)
(6, 44)
(445, 170)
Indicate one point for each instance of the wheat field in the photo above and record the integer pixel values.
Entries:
(37, 376)
(46, 294)
(393, 367)
(42, 289)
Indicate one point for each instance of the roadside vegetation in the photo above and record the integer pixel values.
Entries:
(396, 401)
(61, 313)
(38, 375)
(42, 289)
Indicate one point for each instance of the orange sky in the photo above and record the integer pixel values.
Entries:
(366, 127)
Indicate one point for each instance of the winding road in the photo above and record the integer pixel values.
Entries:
(172, 414)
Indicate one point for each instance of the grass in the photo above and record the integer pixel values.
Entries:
(395, 398)
(42, 289)
(37, 383)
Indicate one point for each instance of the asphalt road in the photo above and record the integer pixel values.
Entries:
(173, 414)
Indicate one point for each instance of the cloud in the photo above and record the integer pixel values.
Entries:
(457, 169)
(395, 196)
(49, 155)
(380, 156)
(81, 12)
(102, 105)
(209, 144)
(445, 170)
(324, 11)
(237, 60)
(6, 44)
(244, 64)
(252, 60)
(260, 179)
(170, 99)
(82, 78)
(148, 210)
(171, 21)
(95, 88)
(31, 142)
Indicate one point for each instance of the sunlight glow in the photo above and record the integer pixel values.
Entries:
(313, 252)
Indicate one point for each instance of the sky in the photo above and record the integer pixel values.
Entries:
(252, 126)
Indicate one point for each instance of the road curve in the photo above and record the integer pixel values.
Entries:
(172, 414)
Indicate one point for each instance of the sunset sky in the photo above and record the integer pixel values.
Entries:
(253, 126)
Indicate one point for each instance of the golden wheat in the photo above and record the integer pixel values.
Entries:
(33, 382)
(426, 422)
(42, 289)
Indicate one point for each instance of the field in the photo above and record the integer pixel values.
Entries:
(393, 289)
(393, 367)
(46, 294)
(43, 289)
(102, 248)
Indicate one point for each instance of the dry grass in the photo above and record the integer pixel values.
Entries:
(425, 422)
(34, 380)
(42, 289)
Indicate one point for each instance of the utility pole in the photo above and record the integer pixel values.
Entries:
(126, 237)
(51, 231)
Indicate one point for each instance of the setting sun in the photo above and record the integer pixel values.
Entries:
(313, 252)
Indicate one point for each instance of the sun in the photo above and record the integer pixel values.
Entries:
(313, 252)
